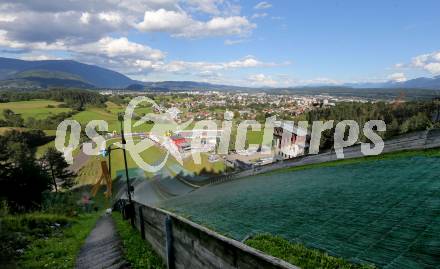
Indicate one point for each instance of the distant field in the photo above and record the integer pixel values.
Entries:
(39, 109)
(86, 116)
(6, 129)
(110, 115)
(35, 108)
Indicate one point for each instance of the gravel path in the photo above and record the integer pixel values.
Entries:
(102, 248)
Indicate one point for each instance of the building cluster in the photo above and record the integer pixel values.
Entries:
(247, 106)
(288, 141)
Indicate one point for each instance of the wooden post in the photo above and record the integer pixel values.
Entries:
(141, 223)
(169, 243)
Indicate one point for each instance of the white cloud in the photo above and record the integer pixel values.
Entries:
(143, 64)
(110, 17)
(230, 42)
(184, 66)
(206, 6)
(263, 5)
(85, 18)
(165, 21)
(429, 62)
(115, 53)
(433, 68)
(227, 26)
(181, 24)
(248, 61)
(95, 32)
(261, 80)
(399, 65)
(65, 20)
(119, 47)
(13, 44)
(213, 7)
(397, 77)
(4, 17)
(259, 15)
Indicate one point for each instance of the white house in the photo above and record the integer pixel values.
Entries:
(290, 142)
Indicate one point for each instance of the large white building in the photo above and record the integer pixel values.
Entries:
(290, 142)
(208, 138)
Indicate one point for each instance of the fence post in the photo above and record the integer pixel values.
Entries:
(169, 243)
(141, 223)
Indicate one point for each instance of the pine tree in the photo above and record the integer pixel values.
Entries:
(56, 166)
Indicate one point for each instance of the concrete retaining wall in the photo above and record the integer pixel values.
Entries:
(193, 246)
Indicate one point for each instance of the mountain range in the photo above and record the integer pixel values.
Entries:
(22, 74)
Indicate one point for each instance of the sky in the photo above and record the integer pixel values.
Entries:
(276, 43)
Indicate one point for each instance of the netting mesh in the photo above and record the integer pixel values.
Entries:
(383, 212)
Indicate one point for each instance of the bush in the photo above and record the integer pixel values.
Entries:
(65, 203)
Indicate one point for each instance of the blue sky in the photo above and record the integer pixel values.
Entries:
(255, 43)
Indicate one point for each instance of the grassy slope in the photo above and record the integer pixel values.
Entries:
(44, 244)
(136, 251)
(297, 254)
(35, 108)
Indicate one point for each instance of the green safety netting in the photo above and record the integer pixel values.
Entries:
(384, 212)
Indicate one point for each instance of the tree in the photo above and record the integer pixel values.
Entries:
(56, 166)
(22, 180)
(12, 119)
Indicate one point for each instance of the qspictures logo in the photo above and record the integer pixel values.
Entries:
(285, 137)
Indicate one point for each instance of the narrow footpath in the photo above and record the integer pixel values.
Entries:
(102, 248)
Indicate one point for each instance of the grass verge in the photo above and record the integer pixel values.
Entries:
(40, 240)
(137, 252)
(298, 254)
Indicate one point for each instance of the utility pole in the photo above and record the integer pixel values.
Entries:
(130, 207)
(109, 150)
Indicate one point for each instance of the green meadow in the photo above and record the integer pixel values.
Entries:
(41, 109)
(38, 109)
(110, 115)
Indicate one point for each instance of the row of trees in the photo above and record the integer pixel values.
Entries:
(75, 99)
(11, 119)
(399, 118)
(23, 177)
